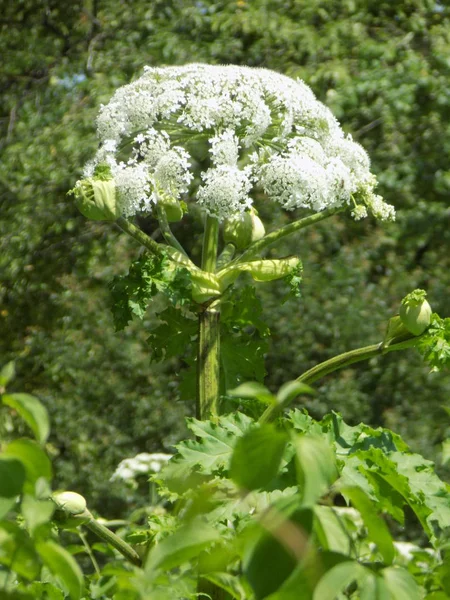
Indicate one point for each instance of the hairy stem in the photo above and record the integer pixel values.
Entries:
(208, 372)
(269, 239)
(208, 362)
(114, 540)
(336, 363)
(208, 357)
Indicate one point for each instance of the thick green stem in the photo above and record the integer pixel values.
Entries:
(114, 540)
(208, 361)
(348, 358)
(208, 333)
(208, 370)
(210, 243)
(140, 236)
(339, 362)
(269, 239)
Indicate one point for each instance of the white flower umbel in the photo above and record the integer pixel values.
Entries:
(141, 464)
(212, 134)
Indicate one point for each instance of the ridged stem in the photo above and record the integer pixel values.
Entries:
(113, 540)
(208, 356)
(208, 362)
(334, 364)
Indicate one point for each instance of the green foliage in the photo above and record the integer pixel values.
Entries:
(147, 276)
(435, 344)
(32, 412)
(299, 537)
(294, 280)
(27, 545)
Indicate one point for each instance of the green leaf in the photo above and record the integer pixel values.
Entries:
(445, 452)
(272, 558)
(376, 527)
(36, 512)
(291, 390)
(401, 584)
(6, 504)
(17, 552)
(337, 579)
(257, 457)
(45, 591)
(234, 585)
(12, 477)
(7, 373)
(331, 530)
(242, 359)
(63, 566)
(209, 454)
(32, 411)
(253, 389)
(373, 587)
(33, 458)
(244, 310)
(316, 467)
(183, 545)
(305, 577)
(243, 339)
(434, 345)
(173, 335)
(215, 442)
(147, 276)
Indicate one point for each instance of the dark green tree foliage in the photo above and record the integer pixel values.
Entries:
(383, 69)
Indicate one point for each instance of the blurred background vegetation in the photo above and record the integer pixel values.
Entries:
(382, 67)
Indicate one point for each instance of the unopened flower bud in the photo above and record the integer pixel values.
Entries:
(71, 509)
(172, 208)
(96, 197)
(415, 312)
(243, 229)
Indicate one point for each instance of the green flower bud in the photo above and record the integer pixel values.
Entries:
(172, 208)
(71, 509)
(244, 229)
(96, 197)
(415, 312)
(260, 270)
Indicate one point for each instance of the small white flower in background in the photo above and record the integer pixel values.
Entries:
(144, 463)
(261, 130)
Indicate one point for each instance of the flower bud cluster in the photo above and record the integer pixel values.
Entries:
(220, 133)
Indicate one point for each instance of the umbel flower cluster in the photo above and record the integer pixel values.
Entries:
(216, 135)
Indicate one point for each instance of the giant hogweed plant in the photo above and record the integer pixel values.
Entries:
(263, 501)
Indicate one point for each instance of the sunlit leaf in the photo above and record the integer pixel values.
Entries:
(257, 457)
(316, 467)
(183, 545)
(63, 566)
(32, 411)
